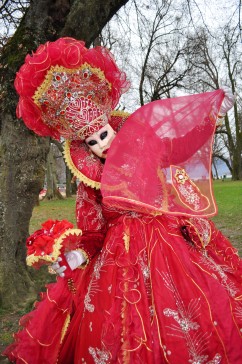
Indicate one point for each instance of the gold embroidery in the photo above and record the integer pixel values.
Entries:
(126, 237)
(71, 285)
(87, 259)
(164, 201)
(48, 78)
(65, 327)
(67, 156)
(181, 176)
(187, 191)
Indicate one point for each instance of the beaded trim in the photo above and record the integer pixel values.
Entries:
(48, 78)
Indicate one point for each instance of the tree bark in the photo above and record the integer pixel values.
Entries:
(52, 185)
(22, 154)
(68, 182)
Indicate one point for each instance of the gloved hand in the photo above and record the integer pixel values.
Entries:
(74, 258)
(57, 268)
(228, 101)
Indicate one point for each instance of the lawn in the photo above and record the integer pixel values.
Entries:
(228, 195)
(56, 210)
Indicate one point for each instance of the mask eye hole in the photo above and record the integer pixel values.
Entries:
(103, 135)
(92, 142)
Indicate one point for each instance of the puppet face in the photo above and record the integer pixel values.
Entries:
(100, 142)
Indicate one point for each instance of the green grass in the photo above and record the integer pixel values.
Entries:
(228, 195)
(53, 209)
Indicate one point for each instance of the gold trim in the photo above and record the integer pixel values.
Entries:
(65, 327)
(126, 239)
(160, 174)
(156, 211)
(67, 156)
(83, 266)
(120, 113)
(19, 357)
(31, 259)
(48, 78)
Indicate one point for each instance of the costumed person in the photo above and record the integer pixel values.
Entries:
(145, 277)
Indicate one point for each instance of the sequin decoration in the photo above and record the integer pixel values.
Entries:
(76, 101)
(187, 191)
(99, 356)
(185, 324)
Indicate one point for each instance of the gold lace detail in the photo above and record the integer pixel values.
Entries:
(48, 78)
(67, 156)
(83, 266)
(65, 327)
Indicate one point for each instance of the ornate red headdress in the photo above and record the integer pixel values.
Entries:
(67, 90)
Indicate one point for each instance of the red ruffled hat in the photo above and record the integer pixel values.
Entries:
(67, 90)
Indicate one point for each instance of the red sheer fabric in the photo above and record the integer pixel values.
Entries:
(147, 297)
(161, 159)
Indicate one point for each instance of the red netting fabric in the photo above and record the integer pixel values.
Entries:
(160, 160)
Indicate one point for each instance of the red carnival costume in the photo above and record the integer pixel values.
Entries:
(161, 284)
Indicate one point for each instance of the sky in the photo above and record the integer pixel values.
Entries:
(218, 11)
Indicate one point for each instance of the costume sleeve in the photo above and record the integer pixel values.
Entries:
(178, 150)
(90, 220)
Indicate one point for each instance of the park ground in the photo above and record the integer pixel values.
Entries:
(228, 195)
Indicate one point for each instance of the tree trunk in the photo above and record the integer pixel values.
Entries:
(68, 182)
(22, 154)
(22, 174)
(52, 186)
(74, 186)
(237, 165)
(215, 169)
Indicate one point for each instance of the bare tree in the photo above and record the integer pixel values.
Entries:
(162, 51)
(217, 62)
(23, 154)
(11, 12)
(150, 39)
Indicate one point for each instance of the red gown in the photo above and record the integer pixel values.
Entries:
(158, 288)
(162, 289)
